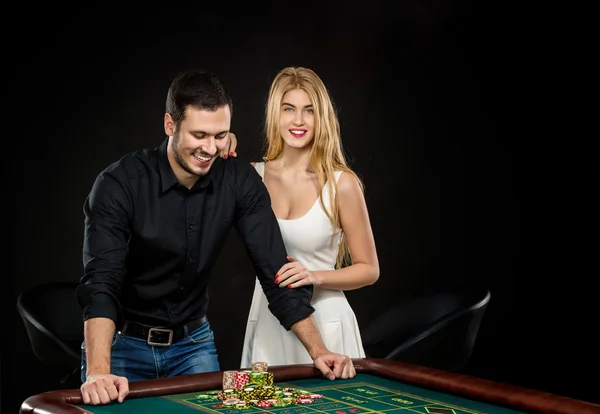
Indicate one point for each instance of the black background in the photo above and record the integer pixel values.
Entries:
(440, 116)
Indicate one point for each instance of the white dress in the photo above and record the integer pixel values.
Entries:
(307, 239)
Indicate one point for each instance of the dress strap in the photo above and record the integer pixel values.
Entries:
(337, 175)
(260, 169)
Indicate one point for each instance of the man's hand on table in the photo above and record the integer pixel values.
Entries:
(104, 388)
(334, 366)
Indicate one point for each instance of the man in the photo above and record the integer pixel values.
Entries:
(155, 222)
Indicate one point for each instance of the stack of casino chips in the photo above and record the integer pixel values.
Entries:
(254, 388)
(229, 379)
(260, 367)
(260, 378)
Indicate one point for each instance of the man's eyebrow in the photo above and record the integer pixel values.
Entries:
(293, 106)
(206, 133)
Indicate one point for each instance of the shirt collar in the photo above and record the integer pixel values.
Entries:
(167, 177)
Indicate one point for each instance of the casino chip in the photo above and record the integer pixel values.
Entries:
(230, 401)
(260, 367)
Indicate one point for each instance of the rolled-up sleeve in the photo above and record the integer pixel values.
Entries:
(107, 211)
(259, 230)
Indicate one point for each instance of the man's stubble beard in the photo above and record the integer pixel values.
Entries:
(179, 157)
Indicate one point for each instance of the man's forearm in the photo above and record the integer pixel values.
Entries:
(98, 334)
(308, 333)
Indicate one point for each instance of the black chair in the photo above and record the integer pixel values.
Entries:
(438, 330)
(54, 325)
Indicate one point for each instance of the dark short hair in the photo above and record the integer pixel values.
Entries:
(200, 89)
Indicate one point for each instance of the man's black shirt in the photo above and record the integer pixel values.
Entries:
(151, 244)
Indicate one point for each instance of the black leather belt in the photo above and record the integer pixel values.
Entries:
(158, 335)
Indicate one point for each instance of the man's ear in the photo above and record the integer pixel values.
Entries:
(169, 125)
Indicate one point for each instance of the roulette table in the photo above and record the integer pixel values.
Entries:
(380, 386)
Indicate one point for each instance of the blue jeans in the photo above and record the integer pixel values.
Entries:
(135, 360)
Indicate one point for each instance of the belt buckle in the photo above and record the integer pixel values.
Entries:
(158, 339)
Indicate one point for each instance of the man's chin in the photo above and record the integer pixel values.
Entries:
(202, 171)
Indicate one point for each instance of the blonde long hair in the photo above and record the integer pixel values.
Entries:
(326, 155)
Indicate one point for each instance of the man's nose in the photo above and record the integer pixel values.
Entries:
(209, 145)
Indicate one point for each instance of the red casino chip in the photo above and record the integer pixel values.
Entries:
(264, 404)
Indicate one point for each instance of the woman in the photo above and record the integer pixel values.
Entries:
(321, 210)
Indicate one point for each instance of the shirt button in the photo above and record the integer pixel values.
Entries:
(181, 288)
(190, 227)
